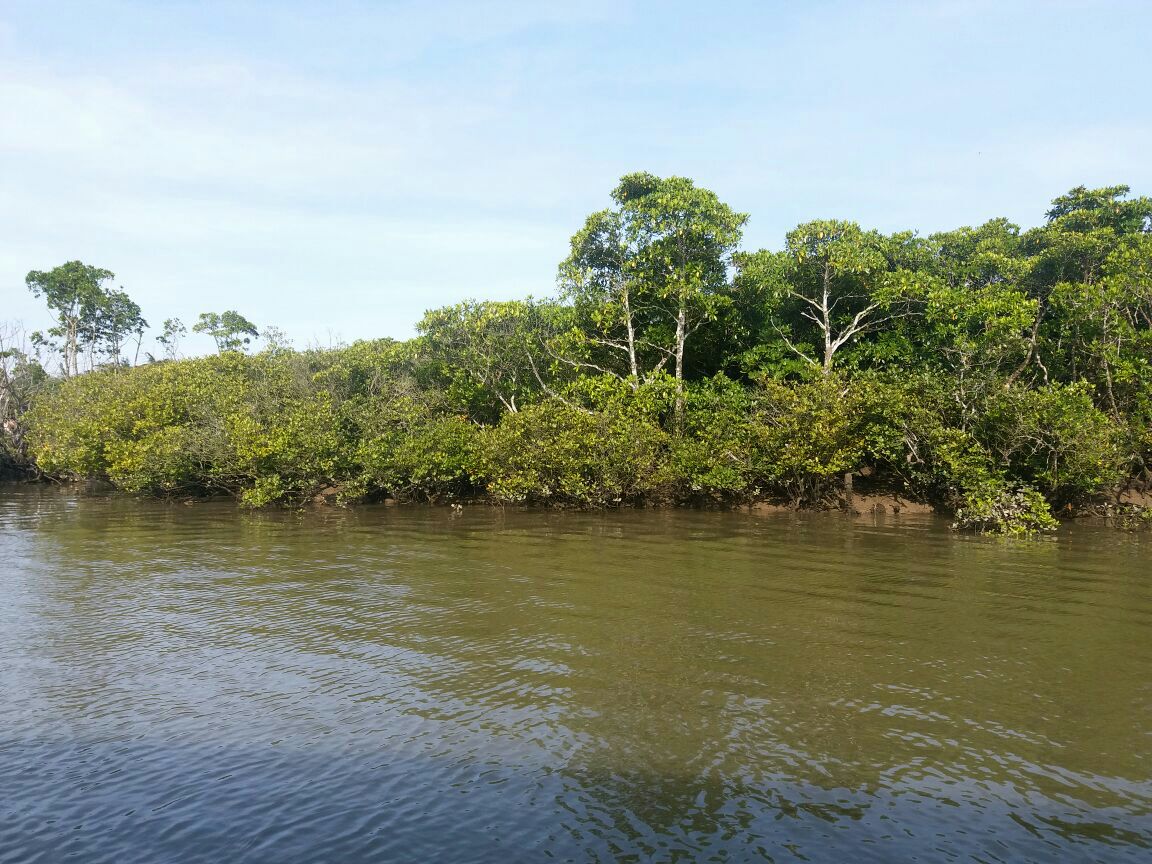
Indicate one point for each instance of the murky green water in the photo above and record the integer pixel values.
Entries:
(193, 684)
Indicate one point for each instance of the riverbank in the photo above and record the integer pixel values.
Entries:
(872, 506)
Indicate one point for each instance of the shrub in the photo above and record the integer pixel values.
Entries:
(1056, 440)
(1001, 509)
(555, 453)
(808, 435)
(427, 458)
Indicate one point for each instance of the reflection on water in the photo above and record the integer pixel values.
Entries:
(190, 683)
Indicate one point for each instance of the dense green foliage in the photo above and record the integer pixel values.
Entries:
(1003, 375)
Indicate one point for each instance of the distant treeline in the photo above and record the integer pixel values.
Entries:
(1003, 375)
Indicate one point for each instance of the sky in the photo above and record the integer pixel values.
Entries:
(336, 169)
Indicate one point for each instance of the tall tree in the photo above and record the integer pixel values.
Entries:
(1105, 330)
(90, 317)
(1084, 227)
(833, 283)
(978, 319)
(1084, 231)
(174, 331)
(117, 321)
(598, 278)
(651, 271)
(230, 330)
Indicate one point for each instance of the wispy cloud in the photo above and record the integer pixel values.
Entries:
(351, 166)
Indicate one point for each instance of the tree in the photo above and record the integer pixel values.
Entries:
(230, 330)
(976, 319)
(117, 320)
(1107, 327)
(276, 341)
(832, 284)
(89, 316)
(1083, 228)
(174, 331)
(596, 278)
(1090, 279)
(648, 273)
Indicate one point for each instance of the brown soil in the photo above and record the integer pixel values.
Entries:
(877, 504)
(881, 505)
(327, 495)
(769, 507)
(1136, 498)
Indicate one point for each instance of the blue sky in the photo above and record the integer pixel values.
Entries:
(335, 169)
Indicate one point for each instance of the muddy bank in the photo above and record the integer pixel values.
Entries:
(878, 504)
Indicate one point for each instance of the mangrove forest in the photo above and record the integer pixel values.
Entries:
(1002, 375)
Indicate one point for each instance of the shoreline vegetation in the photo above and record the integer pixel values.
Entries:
(999, 375)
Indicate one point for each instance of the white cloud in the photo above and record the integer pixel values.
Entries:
(353, 166)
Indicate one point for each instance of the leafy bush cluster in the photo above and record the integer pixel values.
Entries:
(283, 427)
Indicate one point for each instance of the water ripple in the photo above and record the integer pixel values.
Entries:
(198, 684)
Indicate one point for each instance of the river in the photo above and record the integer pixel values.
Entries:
(193, 683)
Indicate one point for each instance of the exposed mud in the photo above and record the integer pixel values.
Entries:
(887, 505)
(1136, 497)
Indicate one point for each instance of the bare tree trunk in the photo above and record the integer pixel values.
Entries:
(681, 336)
(71, 350)
(1033, 340)
(632, 364)
(826, 315)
